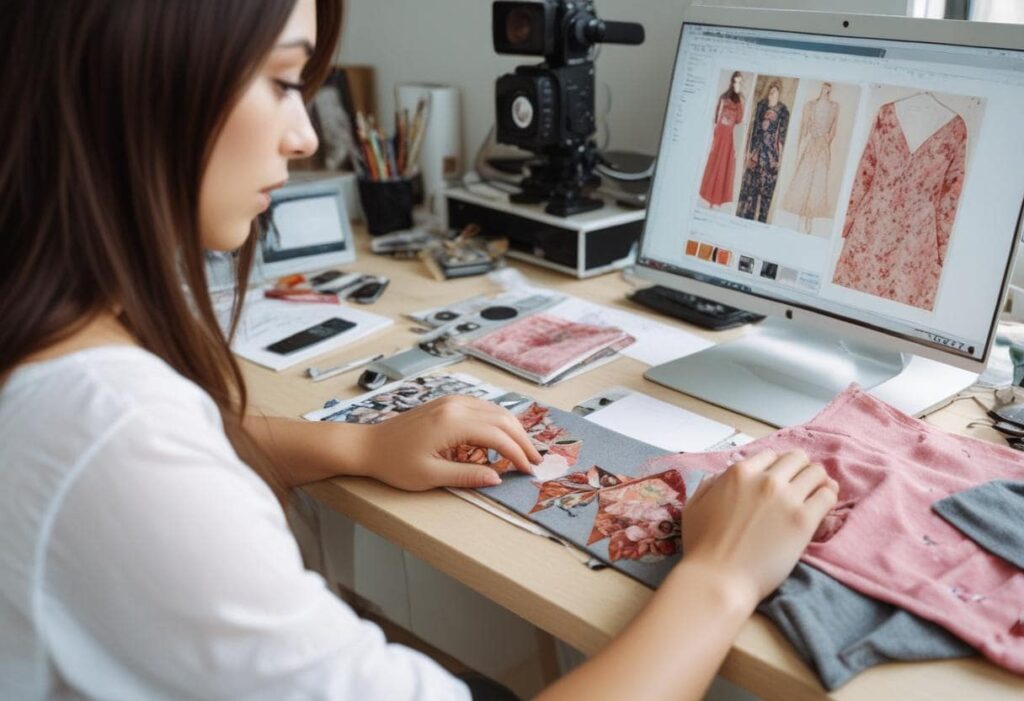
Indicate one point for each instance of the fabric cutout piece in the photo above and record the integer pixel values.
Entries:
(992, 515)
(575, 489)
(542, 348)
(892, 546)
(764, 154)
(841, 633)
(807, 195)
(641, 518)
(720, 169)
(901, 212)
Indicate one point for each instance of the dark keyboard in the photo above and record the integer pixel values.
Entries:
(696, 310)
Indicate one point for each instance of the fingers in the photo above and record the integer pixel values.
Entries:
(789, 465)
(809, 479)
(463, 474)
(756, 463)
(506, 421)
(490, 436)
(820, 502)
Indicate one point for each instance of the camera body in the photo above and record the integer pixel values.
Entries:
(548, 108)
(540, 107)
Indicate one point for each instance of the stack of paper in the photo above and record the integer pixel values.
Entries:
(545, 349)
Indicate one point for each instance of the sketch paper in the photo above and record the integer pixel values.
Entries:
(662, 424)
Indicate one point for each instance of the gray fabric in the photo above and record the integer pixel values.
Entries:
(992, 515)
(840, 632)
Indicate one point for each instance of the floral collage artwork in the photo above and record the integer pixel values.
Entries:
(595, 488)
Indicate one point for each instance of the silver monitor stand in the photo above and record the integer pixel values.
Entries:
(784, 373)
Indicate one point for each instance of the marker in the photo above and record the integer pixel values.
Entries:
(316, 374)
(301, 295)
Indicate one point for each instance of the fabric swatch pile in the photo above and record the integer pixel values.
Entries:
(921, 558)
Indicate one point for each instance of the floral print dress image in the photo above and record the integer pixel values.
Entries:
(716, 185)
(901, 211)
(767, 137)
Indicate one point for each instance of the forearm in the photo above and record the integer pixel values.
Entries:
(672, 649)
(309, 451)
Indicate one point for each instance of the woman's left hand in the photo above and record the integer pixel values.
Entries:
(408, 451)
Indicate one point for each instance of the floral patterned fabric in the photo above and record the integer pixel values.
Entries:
(767, 137)
(720, 170)
(901, 211)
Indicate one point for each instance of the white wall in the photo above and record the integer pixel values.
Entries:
(449, 41)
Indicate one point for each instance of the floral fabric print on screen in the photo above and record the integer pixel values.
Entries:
(901, 212)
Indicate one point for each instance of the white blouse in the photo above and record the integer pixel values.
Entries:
(141, 559)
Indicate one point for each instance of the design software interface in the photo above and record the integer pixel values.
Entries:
(872, 180)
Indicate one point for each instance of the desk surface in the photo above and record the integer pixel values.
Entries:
(537, 579)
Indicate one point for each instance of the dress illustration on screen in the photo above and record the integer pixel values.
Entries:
(904, 202)
(720, 169)
(807, 195)
(764, 154)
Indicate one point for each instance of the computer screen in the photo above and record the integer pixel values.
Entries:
(878, 182)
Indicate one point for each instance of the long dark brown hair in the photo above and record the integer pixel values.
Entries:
(109, 116)
(730, 92)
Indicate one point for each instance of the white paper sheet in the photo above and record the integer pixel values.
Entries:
(661, 424)
(265, 321)
(656, 343)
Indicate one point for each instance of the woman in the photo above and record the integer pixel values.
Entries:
(720, 169)
(144, 552)
(764, 154)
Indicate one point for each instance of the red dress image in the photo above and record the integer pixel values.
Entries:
(716, 186)
(901, 211)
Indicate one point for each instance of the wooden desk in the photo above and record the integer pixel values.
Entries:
(538, 580)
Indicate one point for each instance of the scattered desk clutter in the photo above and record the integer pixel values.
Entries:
(279, 334)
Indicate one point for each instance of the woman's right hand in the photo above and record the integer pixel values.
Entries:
(751, 523)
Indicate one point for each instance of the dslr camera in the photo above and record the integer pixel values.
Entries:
(548, 108)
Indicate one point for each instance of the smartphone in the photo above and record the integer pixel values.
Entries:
(324, 277)
(370, 291)
(307, 337)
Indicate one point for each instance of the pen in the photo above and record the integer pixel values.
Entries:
(301, 295)
(316, 374)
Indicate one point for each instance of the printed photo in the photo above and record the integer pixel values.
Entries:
(812, 168)
(718, 182)
(766, 142)
(575, 489)
(903, 203)
(392, 402)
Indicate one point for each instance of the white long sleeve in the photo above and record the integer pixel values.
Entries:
(159, 565)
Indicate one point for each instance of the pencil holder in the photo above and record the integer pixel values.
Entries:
(387, 204)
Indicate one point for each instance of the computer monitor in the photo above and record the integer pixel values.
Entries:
(856, 178)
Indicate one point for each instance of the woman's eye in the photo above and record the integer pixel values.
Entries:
(286, 86)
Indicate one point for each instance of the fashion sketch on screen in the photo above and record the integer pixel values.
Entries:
(764, 153)
(807, 194)
(904, 201)
(720, 169)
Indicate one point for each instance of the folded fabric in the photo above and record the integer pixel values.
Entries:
(543, 348)
(991, 515)
(840, 633)
(886, 542)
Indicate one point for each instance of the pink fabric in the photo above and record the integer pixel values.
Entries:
(901, 212)
(883, 539)
(542, 344)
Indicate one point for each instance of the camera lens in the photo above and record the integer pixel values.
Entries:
(518, 26)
